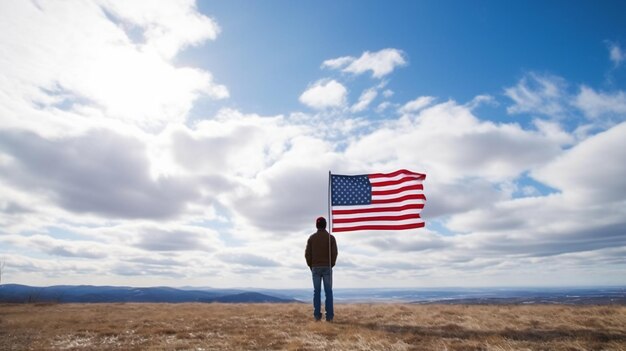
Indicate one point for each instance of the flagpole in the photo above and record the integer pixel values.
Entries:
(330, 226)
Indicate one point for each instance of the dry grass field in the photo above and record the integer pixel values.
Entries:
(290, 327)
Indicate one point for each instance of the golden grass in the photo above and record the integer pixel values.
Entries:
(291, 327)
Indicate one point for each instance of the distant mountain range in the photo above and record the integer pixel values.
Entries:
(15, 293)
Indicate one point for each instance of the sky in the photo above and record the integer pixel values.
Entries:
(182, 143)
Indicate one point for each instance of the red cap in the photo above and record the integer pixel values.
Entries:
(319, 221)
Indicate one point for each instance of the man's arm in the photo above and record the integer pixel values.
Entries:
(333, 252)
(308, 253)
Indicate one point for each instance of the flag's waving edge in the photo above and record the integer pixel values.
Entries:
(377, 201)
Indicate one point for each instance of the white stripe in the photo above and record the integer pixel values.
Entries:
(393, 204)
(400, 194)
(370, 214)
(396, 186)
(397, 177)
(357, 224)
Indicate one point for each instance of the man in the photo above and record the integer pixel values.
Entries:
(321, 255)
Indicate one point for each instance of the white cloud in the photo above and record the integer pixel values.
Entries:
(338, 62)
(616, 54)
(548, 96)
(19, 266)
(380, 63)
(538, 94)
(166, 26)
(324, 94)
(100, 172)
(554, 131)
(591, 178)
(383, 106)
(433, 140)
(458, 196)
(290, 192)
(480, 100)
(417, 104)
(365, 100)
(214, 146)
(80, 60)
(248, 259)
(597, 104)
(158, 239)
(586, 216)
(57, 247)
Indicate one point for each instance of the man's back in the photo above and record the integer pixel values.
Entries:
(321, 254)
(317, 249)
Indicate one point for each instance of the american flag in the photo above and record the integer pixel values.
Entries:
(379, 201)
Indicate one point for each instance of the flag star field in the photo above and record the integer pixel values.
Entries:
(351, 190)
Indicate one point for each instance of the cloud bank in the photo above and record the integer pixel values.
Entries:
(106, 179)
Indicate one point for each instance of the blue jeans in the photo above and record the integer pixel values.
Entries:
(325, 274)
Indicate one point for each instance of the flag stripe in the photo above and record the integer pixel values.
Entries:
(392, 204)
(375, 218)
(395, 174)
(371, 214)
(398, 190)
(403, 203)
(380, 209)
(398, 222)
(380, 227)
(399, 195)
(397, 186)
(397, 199)
(393, 182)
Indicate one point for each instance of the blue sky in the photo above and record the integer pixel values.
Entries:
(455, 49)
(181, 143)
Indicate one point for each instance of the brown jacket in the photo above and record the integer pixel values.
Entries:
(316, 252)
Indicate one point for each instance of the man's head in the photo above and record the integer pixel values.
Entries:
(320, 223)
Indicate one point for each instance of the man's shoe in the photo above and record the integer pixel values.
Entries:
(329, 320)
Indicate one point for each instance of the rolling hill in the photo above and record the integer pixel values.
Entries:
(15, 293)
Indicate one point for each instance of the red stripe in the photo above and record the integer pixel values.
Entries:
(377, 218)
(380, 209)
(393, 174)
(380, 227)
(401, 198)
(399, 190)
(394, 182)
